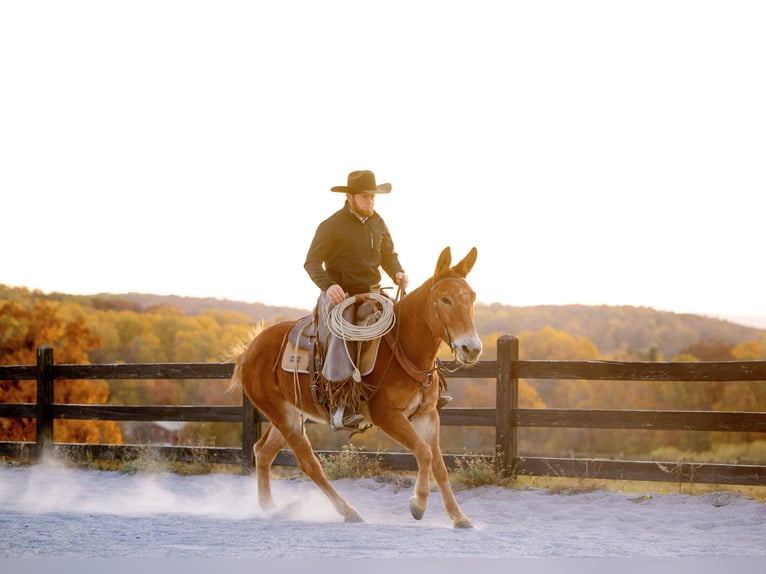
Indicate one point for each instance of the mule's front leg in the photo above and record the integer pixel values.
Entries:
(419, 500)
(396, 425)
(428, 427)
(439, 470)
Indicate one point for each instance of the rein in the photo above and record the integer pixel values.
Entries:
(424, 377)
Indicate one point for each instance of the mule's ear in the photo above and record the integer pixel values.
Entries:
(442, 266)
(466, 264)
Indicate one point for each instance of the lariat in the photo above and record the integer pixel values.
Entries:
(348, 331)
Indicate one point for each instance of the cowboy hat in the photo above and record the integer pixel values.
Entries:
(362, 182)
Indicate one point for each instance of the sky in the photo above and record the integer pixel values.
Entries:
(595, 152)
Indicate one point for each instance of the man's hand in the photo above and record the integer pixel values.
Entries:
(402, 280)
(336, 294)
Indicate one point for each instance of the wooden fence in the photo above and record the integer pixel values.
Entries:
(507, 418)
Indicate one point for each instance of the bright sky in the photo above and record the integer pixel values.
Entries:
(595, 152)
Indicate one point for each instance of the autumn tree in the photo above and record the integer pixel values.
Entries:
(22, 330)
(750, 351)
(710, 350)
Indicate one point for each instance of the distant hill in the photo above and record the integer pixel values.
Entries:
(198, 305)
(617, 327)
(615, 330)
(610, 328)
(757, 322)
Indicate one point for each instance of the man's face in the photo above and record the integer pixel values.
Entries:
(363, 204)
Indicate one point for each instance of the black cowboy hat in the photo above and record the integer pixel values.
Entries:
(362, 182)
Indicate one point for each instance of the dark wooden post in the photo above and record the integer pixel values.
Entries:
(44, 433)
(250, 434)
(506, 402)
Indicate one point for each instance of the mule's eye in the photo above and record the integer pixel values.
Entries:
(446, 301)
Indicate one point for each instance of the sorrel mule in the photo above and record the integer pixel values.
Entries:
(403, 404)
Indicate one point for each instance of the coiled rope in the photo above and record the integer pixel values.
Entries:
(347, 331)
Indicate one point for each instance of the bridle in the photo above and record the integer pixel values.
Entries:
(424, 377)
(435, 304)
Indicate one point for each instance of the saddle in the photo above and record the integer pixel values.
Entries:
(300, 345)
(301, 348)
(335, 366)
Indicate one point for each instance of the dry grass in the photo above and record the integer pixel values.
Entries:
(349, 462)
(564, 485)
(473, 470)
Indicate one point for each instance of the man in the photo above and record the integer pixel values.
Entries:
(345, 257)
(351, 246)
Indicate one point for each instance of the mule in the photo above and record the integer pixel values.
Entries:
(405, 388)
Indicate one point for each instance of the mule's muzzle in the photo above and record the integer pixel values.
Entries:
(467, 350)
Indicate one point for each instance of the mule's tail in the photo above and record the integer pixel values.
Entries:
(236, 377)
(236, 353)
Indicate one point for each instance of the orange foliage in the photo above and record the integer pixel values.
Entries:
(22, 331)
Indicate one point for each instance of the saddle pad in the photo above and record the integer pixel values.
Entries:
(295, 359)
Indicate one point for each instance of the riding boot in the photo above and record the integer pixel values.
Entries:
(443, 401)
(336, 421)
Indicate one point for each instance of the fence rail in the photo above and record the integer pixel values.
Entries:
(506, 416)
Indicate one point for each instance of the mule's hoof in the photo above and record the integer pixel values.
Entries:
(417, 511)
(351, 518)
(462, 522)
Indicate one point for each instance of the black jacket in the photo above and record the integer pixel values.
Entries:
(350, 252)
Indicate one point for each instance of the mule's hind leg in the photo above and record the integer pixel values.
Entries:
(265, 451)
(290, 425)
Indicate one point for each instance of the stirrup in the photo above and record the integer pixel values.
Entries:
(340, 422)
(352, 420)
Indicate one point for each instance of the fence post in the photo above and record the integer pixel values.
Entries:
(44, 421)
(506, 402)
(249, 431)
